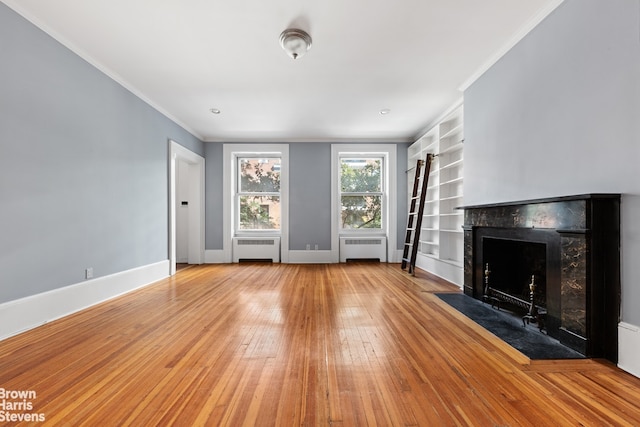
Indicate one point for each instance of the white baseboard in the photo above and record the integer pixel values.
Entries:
(310, 257)
(629, 348)
(27, 313)
(447, 271)
(395, 256)
(215, 256)
(324, 257)
(212, 256)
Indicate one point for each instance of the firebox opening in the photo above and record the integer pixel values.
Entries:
(512, 263)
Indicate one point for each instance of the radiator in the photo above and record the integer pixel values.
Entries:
(256, 248)
(354, 248)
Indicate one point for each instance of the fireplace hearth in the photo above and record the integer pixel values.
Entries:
(569, 246)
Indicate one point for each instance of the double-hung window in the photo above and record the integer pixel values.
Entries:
(363, 193)
(258, 194)
(362, 201)
(255, 195)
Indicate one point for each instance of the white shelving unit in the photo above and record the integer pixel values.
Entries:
(441, 237)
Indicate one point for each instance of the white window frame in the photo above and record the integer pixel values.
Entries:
(389, 202)
(231, 154)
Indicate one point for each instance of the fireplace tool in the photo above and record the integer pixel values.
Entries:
(534, 315)
(487, 295)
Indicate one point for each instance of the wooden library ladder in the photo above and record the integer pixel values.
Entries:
(416, 210)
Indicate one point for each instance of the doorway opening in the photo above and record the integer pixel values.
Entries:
(186, 206)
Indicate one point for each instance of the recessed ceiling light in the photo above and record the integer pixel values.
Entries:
(214, 111)
(385, 111)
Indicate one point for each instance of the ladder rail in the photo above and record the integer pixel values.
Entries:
(411, 215)
(412, 212)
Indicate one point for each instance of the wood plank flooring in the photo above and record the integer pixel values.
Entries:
(285, 345)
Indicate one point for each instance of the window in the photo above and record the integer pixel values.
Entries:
(255, 195)
(258, 195)
(361, 193)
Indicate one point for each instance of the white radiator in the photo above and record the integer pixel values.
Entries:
(256, 248)
(354, 248)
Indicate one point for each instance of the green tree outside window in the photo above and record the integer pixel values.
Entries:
(259, 193)
(361, 193)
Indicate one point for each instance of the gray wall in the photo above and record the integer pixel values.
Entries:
(213, 195)
(560, 115)
(83, 169)
(403, 193)
(309, 195)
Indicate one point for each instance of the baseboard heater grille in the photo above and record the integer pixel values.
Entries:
(256, 249)
(363, 248)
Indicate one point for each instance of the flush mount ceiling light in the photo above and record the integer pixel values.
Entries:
(295, 42)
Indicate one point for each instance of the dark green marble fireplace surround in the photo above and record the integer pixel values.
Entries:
(581, 236)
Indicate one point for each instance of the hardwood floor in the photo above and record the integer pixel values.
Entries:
(284, 345)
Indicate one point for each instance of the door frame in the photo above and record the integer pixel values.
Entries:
(196, 218)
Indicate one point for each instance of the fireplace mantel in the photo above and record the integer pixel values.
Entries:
(582, 233)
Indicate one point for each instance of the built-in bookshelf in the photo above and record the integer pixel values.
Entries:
(441, 237)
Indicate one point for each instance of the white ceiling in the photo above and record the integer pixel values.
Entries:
(184, 57)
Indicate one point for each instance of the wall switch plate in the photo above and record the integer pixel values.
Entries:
(88, 273)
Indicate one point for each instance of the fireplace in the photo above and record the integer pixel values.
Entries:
(569, 247)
